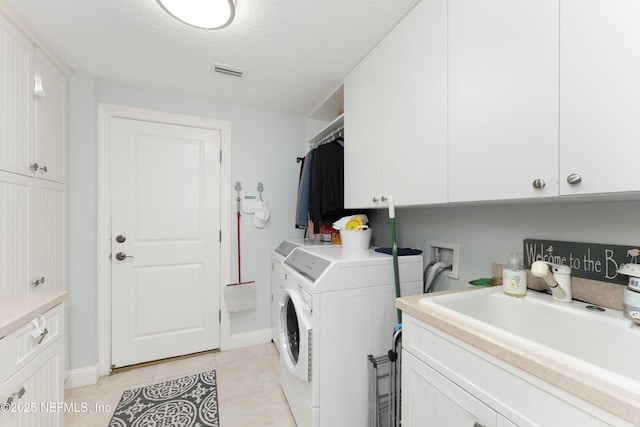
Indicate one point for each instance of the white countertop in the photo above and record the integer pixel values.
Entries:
(609, 396)
(16, 311)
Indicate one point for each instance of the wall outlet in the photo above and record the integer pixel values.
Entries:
(449, 253)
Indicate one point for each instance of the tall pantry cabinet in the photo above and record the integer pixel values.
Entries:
(33, 221)
(32, 167)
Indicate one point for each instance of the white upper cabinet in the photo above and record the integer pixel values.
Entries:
(414, 106)
(32, 109)
(599, 96)
(363, 134)
(503, 99)
(16, 86)
(50, 95)
(395, 115)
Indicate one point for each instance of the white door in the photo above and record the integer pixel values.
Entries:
(165, 191)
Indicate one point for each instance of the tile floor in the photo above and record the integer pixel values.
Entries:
(249, 392)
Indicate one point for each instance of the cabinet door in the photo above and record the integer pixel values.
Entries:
(50, 120)
(363, 138)
(429, 399)
(414, 106)
(599, 93)
(15, 207)
(37, 392)
(16, 85)
(48, 241)
(503, 99)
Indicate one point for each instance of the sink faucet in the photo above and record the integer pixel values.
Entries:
(559, 283)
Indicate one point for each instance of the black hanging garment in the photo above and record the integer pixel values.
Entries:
(326, 184)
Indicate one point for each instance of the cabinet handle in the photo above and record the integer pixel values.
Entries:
(17, 394)
(539, 183)
(41, 336)
(36, 167)
(38, 282)
(574, 179)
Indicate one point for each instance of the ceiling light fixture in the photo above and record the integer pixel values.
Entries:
(207, 14)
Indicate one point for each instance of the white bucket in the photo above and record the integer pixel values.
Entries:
(355, 239)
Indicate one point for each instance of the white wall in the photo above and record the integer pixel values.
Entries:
(488, 234)
(82, 157)
(264, 149)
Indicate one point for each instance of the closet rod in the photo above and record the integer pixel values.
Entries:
(330, 137)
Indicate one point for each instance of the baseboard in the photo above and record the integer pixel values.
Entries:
(81, 377)
(247, 339)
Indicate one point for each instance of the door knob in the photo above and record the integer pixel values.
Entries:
(121, 256)
(120, 238)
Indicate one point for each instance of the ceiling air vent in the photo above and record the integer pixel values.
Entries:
(230, 71)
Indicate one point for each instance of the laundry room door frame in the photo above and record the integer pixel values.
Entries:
(107, 112)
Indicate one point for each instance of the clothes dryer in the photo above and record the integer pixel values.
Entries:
(281, 251)
(337, 307)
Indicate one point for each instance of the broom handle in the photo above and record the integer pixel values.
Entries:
(238, 208)
(394, 250)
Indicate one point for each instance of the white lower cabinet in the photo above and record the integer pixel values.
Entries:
(429, 399)
(446, 382)
(32, 388)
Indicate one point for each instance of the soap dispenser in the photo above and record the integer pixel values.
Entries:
(514, 277)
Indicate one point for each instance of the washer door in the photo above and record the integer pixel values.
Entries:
(295, 335)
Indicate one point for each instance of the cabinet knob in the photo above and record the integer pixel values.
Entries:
(574, 179)
(41, 336)
(375, 200)
(36, 167)
(384, 199)
(17, 394)
(477, 424)
(38, 282)
(539, 183)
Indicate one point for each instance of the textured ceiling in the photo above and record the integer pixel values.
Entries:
(295, 52)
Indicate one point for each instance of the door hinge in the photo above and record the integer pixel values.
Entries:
(219, 316)
(220, 236)
(220, 156)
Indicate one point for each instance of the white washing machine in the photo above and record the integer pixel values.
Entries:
(278, 276)
(337, 307)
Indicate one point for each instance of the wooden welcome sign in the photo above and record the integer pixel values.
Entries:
(593, 261)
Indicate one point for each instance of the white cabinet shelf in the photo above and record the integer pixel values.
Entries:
(331, 127)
